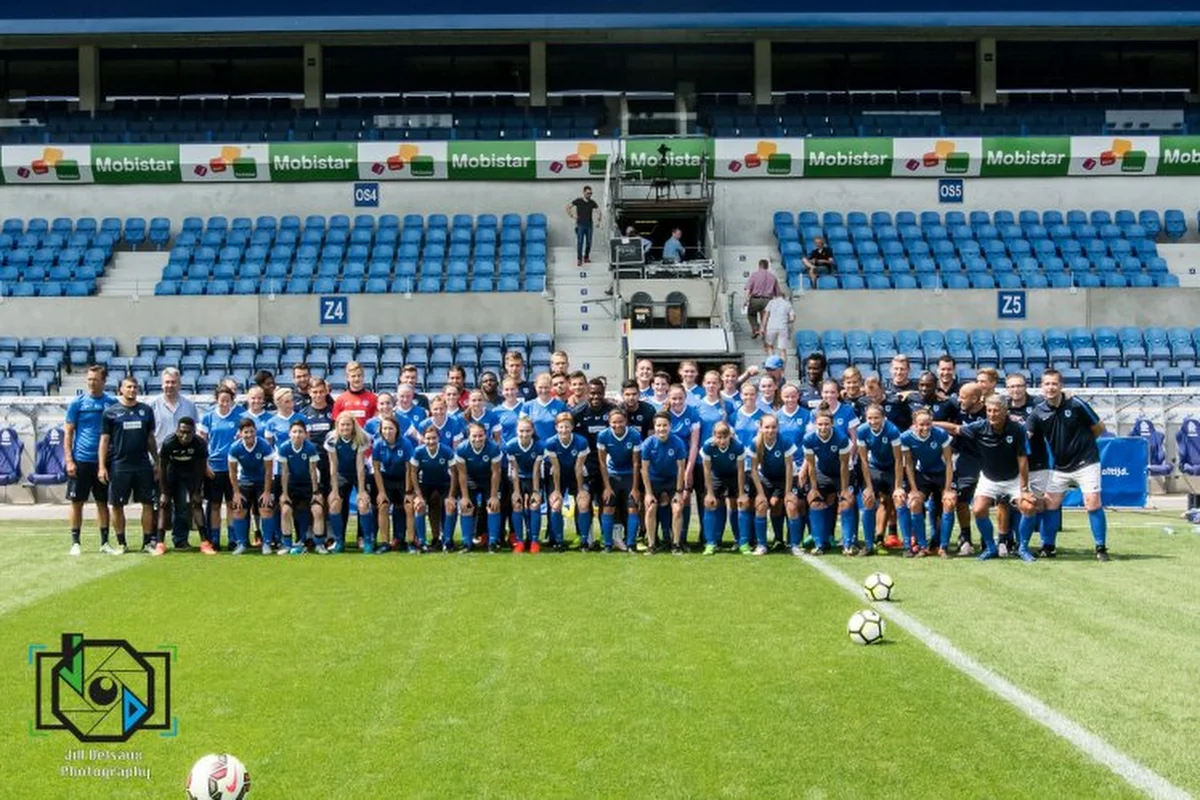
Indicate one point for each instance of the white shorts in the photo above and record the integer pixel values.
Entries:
(777, 339)
(995, 490)
(1086, 478)
(1039, 480)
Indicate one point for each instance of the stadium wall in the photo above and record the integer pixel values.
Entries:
(242, 315)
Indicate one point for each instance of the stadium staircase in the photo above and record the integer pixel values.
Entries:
(585, 318)
(737, 263)
(132, 274)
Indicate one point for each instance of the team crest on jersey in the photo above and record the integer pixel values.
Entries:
(1067, 413)
(671, 452)
(441, 462)
(775, 453)
(885, 440)
(1008, 439)
(486, 459)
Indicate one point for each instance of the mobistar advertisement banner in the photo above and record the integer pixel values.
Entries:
(759, 158)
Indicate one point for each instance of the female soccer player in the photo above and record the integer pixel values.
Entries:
(250, 475)
(385, 408)
(643, 373)
(619, 449)
(566, 452)
(745, 427)
(768, 394)
(276, 430)
(391, 453)
(731, 384)
(711, 408)
(689, 376)
(879, 455)
(479, 484)
(408, 411)
(659, 386)
(432, 475)
(544, 409)
(477, 412)
(928, 463)
(664, 457)
(347, 447)
(508, 412)
(772, 464)
(525, 470)
(219, 426)
(827, 455)
(299, 483)
(725, 483)
(256, 406)
(448, 429)
(685, 423)
(844, 418)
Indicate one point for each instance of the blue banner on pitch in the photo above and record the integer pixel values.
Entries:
(1123, 473)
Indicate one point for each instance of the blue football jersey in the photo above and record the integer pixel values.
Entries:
(433, 469)
(222, 432)
(926, 454)
(879, 444)
(490, 422)
(618, 453)
(297, 460)
(86, 413)
(543, 416)
(662, 457)
(792, 427)
(391, 460)
(775, 457)
(479, 462)
(710, 414)
(275, 429)
(724, 464)
(524, 458)
(450, 434)
(508, 417)
(252, 462)
(347, 455)
(566, 453)
(683, 424)
(828, 452)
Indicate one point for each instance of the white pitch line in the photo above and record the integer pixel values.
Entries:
(1088, 743)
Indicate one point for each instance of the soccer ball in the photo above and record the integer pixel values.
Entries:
(218, 777)
(865, 627)
(878, 586)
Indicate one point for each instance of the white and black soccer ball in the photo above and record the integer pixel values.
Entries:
(865, 627)
(218, 777)
(879, 586)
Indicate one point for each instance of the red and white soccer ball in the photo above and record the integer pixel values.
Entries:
(218, 777)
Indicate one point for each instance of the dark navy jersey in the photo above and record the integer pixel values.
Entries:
(319, 422)
(810, 395)
(774, 458)
(184, 461)
(724, 464)
(524, 458)
(130, 430)
(968, 463)
(999, 450)
(347, 455)
(941, 410)
(641, 419)
(526, 390)
(297, 461)
(591, 422)
(86, 413)
(879, 444)
(479, 462)
(391, 460)
(897, 412)
(662, 458)
(1067, 432)
(253, 462)
(433, 469)
(828, 452)
(618, 453)
(928, 454)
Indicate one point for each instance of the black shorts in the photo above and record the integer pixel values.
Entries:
(659, 489)
(301, 495)
(567, 486)
(965, 486)
(622, 491)
(478, 493)
(251, 495)
(771, 488)
(137, 485)
(593, 483)
(435, 497)
(218, 489)
(930, 485)
(86, 483)
(883, 482)
(826, 485)
(721, 489)
(395, 491)
(524, 487)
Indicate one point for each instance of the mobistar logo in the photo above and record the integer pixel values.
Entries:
(1176, 155)
(1115, 472)
(134, 164)
(489, 161)
(638, 159)
(840, 158)
(288, 163)
(1023, 158)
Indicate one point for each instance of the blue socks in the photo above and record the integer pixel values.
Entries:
(868, 528)
(241, 531)
(1099, 524)
(904, 523)
(535, 525)
(947, 530)
(419, 529)
(468, 531)
(918, 526)
(518, 522)
(987, 533)
(631, 529)
(495, 523)
(583, 526)
(849, 519)
(794, 533)
(760, 530)
(816, 521)
(449, 521)
(745, 525)
(607, 521)
(709, 522)
(337, 527)
(1051, 524)
(1025, 530)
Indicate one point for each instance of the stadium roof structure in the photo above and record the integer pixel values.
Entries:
(87, 17)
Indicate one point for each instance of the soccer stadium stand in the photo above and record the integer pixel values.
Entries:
(981, 250)
(367, 255)
(1103, 357)
(63, 257)
(150, 120)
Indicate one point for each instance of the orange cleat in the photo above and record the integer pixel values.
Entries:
(518, 547)
(207, 548)
(534, 547)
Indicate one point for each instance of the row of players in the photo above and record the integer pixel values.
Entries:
(740, 461)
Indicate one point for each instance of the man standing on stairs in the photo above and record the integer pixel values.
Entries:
(761, 287)
(586, 213)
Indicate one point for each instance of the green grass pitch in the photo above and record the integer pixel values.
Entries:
(619, 676)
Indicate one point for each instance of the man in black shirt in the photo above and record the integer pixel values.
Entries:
(1070, 429)
(638, 412)
(819, 260)
(183, 459)
(901, 371)
(814, 374)
(1003, 449)
(301, 376)
(586, 213)
(129, 463)
(591, 417)
(968, 407)
(926, 396)
(514, 367)
(409, 375)
(947, 377)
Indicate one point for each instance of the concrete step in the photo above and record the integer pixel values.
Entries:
(133, 274)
